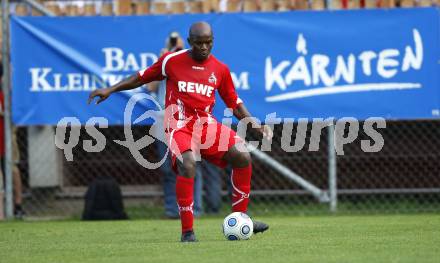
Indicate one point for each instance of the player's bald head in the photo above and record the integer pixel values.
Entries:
(201, 40)
(200, 29)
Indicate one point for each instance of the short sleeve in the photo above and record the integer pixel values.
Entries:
(154, 72)
(227, 90)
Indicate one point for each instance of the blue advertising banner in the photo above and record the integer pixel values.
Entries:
(366, 63)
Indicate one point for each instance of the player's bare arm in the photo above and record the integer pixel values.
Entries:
(129, 83)
(241, 112)
(153, 86)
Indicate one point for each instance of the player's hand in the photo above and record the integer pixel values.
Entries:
(266, 131)
(103, 94)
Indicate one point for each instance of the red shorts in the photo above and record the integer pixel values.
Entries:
(210, 140)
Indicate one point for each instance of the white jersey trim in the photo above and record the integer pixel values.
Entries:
(165, 60)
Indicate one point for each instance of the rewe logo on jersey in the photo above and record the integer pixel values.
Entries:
(191, 87)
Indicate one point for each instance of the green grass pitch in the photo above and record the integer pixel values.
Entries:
(391, 238)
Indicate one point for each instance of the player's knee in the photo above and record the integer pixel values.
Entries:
(188, 166)
(244, 159)
(239, 159)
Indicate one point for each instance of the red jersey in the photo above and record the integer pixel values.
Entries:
(191, 85)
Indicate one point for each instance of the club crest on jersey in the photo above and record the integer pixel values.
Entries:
(212, 78)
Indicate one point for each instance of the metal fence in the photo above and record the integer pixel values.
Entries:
(404, 177)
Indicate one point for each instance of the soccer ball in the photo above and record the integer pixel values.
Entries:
(238, 226)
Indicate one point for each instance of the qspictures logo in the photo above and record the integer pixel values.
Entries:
(346, 131)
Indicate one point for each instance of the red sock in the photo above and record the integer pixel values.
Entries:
(184, 194)
(241, 184)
